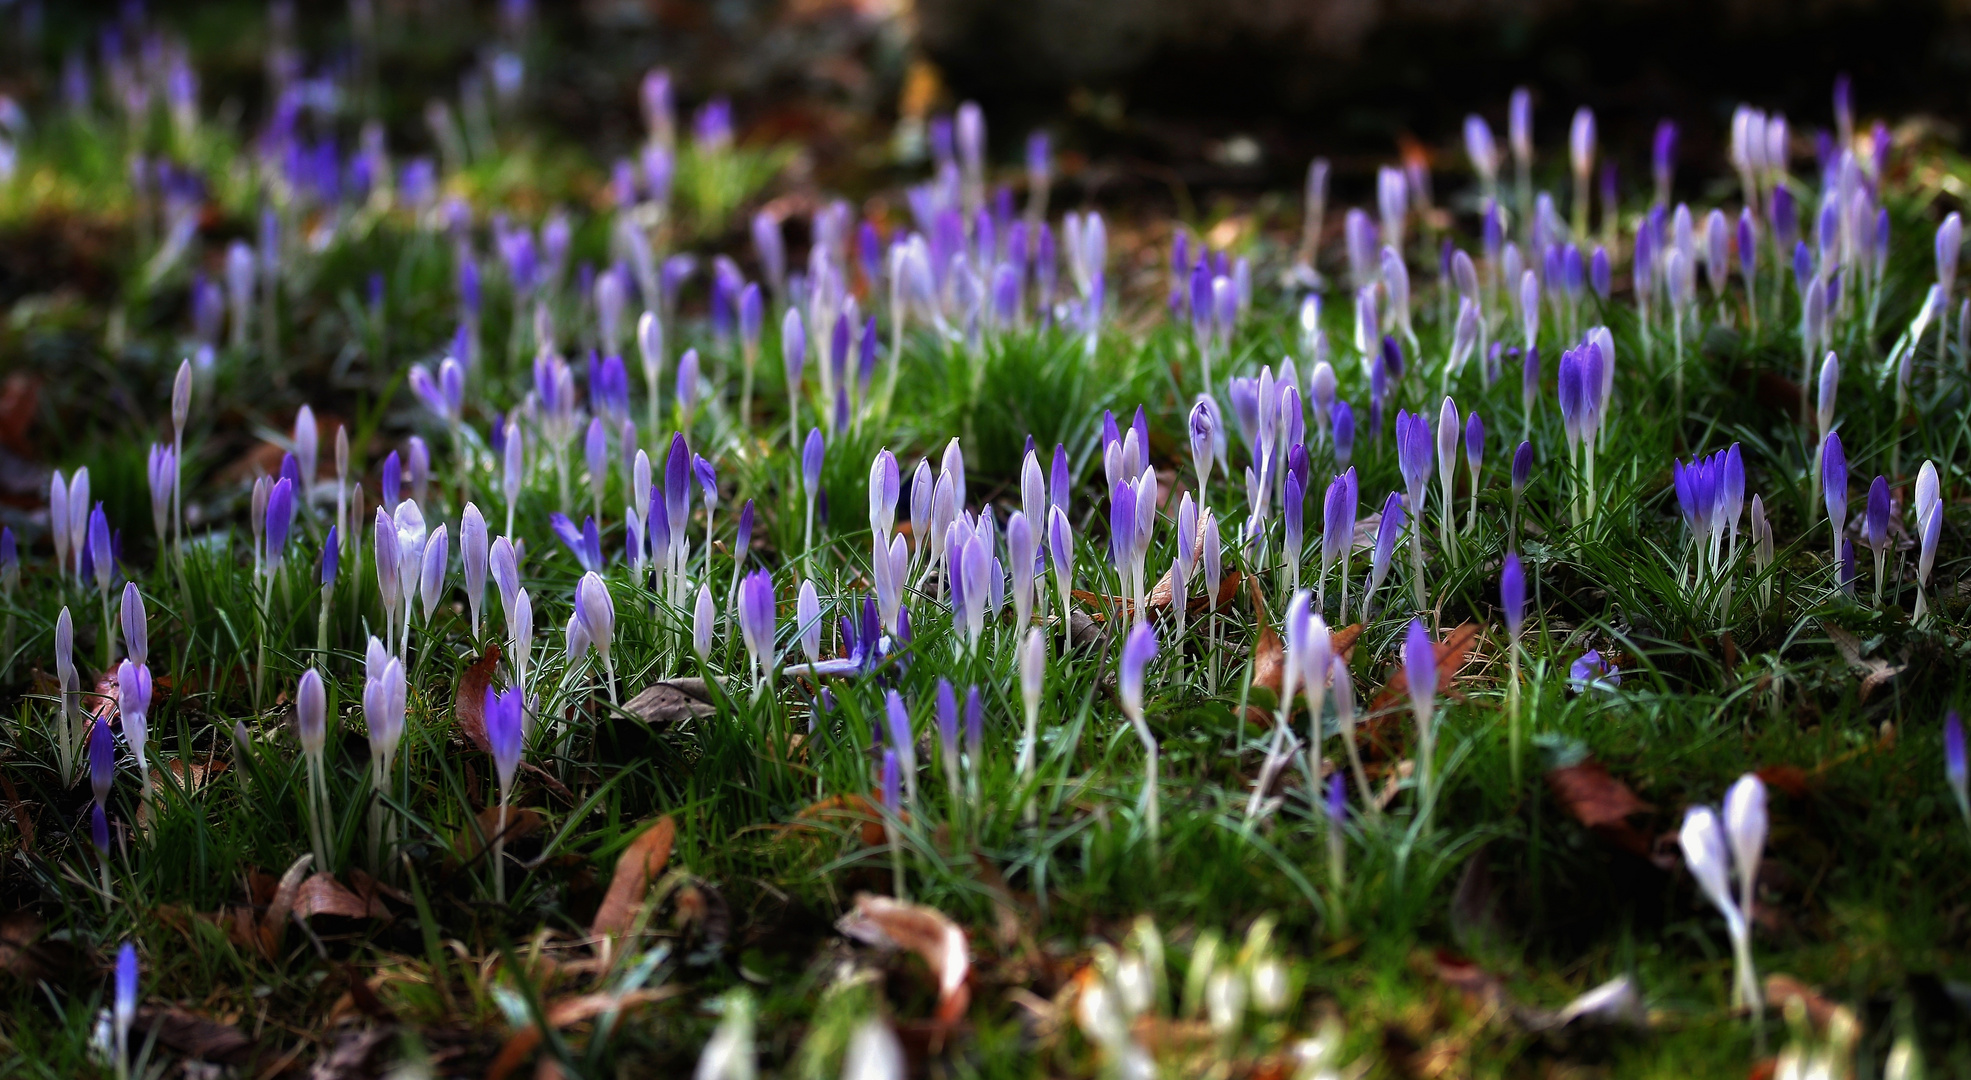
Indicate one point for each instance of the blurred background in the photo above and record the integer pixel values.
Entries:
(1165, 98)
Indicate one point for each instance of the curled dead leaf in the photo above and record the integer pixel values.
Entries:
(473, 840)
(1606, 805)
(193, 1036)
(273, 925)
(844, 810)
(321, 894)
(662, 704)
(636, 868)
(887, 923)
(469, 701)
(1452, 654)
(566, 1012)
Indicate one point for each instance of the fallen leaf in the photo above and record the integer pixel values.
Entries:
(1270, 656)
(20, 399)
(521, 822)
(896, 924)
(270, 929)
(349, 1058)
(1791, 779)
(636, 868)
(1452, 653)
(22, 819)
(469, 702)
(1874, 670)
(665, 703)
(1596, 799)
(24, 954)
(851, 809)
(560, 1014)
(1782, 988)
(321, 894)
(192, 1035)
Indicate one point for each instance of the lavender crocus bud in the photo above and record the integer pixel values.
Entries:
(1519, 125)
(436, 559)
(1033, 669)
(807, 621)
(1338, 519)
(1950, 243)
(311, 713)
(793, 348)
(133, 701)
(1956, 771)
(136, 625)
(1420, 668)
(181, 399)
(1745, 829)
(1581, 142)
(1512, 594)
(1388, 529)
(1707, 853)
(1522, 468)
(1479, 147)
(1834, 486)
(101, 557)
(884, 487)
(1137, 652)
(1829, 390)
(813, 452)
(505, 716)
(124, 1007)
(704, 620)
(163, 476)
(102, 759)
(756, 619)
(58, 519)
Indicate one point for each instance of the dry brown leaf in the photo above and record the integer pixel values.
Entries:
(1596, 799)
(18, 957)
(849, 809)
(665, 703)
(1452, 653)
(560, 1014)
(895, 924)
(193, 1036)
(321, 894)
(22, 819)
(521, 823)
(1270, 656)
(349, 1058)
(636, 868)
(469, 702)
(270, 929)
(1874, 670)
(1782, 988)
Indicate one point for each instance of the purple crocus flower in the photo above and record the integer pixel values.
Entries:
(1593, 671)
(505, 715)
(947, 717)
(756, 616)
(1956, 772)
(1834, 487)
(813, 451)
(584, 543)
(1512, 594)
(136, 624)
(102, 560)
(124, 1007)
(1522, 468)
(1388, 530)
(1342, 419)
(102, 759)
(1875, 527)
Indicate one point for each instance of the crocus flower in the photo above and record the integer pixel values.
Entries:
(1709, 851)
(755, 618)
(102, 760)
(1474, 458)
(807, 620)
(1388, 528)
(1834, 487)
(584, 543)
(1593, 671)
(1338, 530)
(431, 578)
(124, 1008)
(1420, 670)
(1956, 772)
(596, 611)
(473, 553)
(163, 474)
(704, 619)
(311, 725)
(136, 625)
(505, 716)
(101, 557)
(1875, 527)
(1137, 651)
